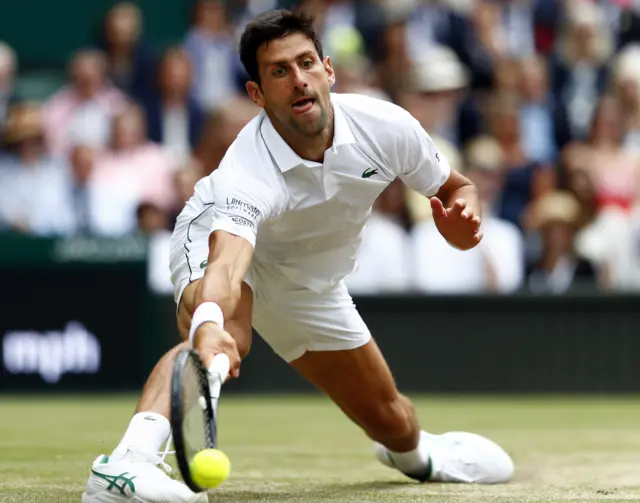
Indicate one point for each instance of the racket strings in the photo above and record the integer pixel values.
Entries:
(194, 423)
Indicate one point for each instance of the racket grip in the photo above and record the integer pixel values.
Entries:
(218, 373)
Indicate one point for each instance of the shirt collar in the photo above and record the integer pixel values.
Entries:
(284, 155)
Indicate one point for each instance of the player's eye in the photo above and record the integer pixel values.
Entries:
(279, 72)
(308, 63)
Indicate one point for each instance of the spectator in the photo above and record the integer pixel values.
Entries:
(611, 242)
(628, 23)
(525, 180)
(32, 189)
(185, 180)
(536, 111)
(393, 64)
(132, 171)
(174, 117)
(131, 60)
(614, 172)
(506, 77)
(516, 27)
(497, 264)
(151, 218)
(81, 112)
(434, 23)
(626, 90)
(8, 63)
(556, 217)
(355, 76)
(81, 206)
(384, 261)
(437, 97)
(484, 43)
(221, 129)
(213, 50)
(579, 70)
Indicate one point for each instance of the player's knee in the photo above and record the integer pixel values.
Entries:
(391, 418)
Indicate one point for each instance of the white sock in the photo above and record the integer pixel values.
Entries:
(415, 462)
(147, 432)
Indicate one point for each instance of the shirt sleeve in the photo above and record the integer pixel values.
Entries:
(420, 165)
(240, 209)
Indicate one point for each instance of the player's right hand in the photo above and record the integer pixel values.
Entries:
(210, 340)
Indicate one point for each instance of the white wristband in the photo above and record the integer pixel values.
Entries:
(204, 313)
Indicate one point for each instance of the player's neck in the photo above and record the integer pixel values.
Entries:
(308, 148)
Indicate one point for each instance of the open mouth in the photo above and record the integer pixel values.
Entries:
(303, 105)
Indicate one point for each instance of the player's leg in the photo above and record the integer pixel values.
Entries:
(137, 454)
(324, 338)
(360, 383)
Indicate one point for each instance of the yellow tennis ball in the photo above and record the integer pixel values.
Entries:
(210, 468)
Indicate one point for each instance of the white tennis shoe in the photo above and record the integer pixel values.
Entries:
(459, 457)
(139, 479)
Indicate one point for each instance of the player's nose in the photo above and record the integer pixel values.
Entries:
(299, 79)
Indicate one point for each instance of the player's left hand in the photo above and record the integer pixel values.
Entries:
(459, 225)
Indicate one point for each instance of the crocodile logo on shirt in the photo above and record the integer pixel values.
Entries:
(369, 172)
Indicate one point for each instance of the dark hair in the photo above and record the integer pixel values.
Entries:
(269, 26)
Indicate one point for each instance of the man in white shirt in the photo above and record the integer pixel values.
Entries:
(267, 240)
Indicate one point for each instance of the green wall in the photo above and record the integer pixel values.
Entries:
(45, 33)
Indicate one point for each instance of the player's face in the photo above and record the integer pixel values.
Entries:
(295, 84)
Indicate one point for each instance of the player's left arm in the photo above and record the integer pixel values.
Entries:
(457, 211)
(454, 198)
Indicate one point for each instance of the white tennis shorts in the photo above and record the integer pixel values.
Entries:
(292, 319)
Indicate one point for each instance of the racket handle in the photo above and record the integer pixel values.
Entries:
(218, 373)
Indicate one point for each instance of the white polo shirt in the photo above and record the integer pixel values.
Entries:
(306, 218)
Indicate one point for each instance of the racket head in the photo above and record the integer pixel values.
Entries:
(193, 420)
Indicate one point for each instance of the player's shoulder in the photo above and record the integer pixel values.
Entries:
(371, 111)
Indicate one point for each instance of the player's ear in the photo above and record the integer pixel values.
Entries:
(331, 74)
(255, 93)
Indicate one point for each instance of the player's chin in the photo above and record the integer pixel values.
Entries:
(310, 125)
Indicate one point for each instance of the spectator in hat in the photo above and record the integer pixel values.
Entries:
(32, 184)
(559, 268)
(437, 97)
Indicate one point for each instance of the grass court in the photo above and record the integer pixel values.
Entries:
(301, 449)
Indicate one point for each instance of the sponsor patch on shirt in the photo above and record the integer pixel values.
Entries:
(243, 221)
(237, 205)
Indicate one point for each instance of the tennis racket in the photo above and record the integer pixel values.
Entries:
(195, 392)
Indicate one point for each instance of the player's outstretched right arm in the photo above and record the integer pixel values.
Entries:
(218, 295)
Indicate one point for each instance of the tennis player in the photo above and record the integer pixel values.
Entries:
(267, 240)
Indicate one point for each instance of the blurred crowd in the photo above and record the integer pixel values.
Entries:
(536, 101)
